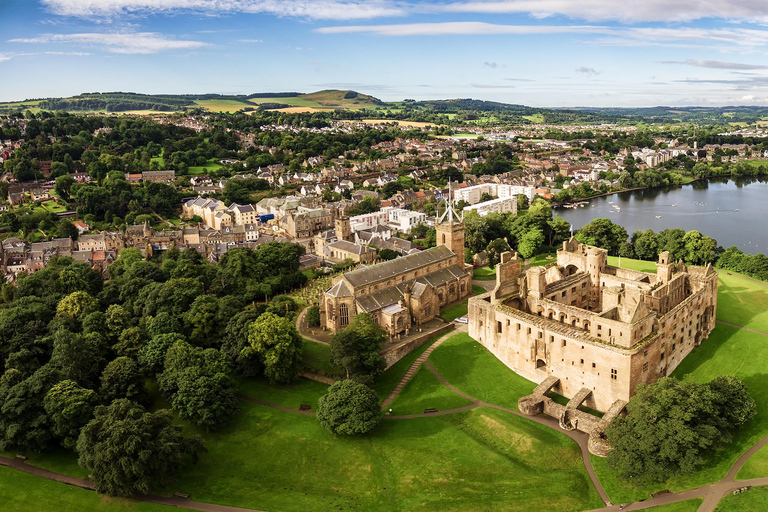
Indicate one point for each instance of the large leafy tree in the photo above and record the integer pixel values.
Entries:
(122, 379)
(349, 408)
(69, 407)
(152, 355)
(356, 349)
(672, 427)
(246, 359)
(279, 346)
(24, 424)
(200, 384)
(77, 357)
(129, 450)
(603, 233)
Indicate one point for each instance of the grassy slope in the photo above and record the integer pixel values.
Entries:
(754, 500)
(317, 355)
(484, 273)
(305, 391)
(389, 379)
(222, 105)
(20, 492)
(479, 460)
(424, 391)
(472, 369)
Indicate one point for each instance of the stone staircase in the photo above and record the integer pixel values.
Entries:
(411, 371)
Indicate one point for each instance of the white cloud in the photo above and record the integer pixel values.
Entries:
(118, 42)
(250, 40)
(461, 28)
(314, 9)
(4, 57)
(637, 11)
(716, 64)
(718, 38)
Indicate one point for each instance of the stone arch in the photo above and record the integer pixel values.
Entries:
(541, 364)
(575, 322)
(539, 310)
(586, 324)
(550, 314)
(563, 318)
(570, 269)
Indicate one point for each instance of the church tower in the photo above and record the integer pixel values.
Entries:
(449, 229)
(343, 229)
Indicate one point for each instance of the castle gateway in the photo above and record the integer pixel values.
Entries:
(590, 331)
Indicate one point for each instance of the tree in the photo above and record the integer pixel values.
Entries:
(313, 316)
(356, 349)
(70, 407)
(152, 355)
(349, 408)
(76, 304)
(24, 424)
(495, 249)
(531, 243)
(388, 254)
(200, 384)
(279, 346)
(603, 233)
(77, 358)
(129, 451)
(671, 427)
(122, 379)
(247, 361)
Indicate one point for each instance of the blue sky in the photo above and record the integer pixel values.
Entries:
(533, 52)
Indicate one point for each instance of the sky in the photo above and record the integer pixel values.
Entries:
(558, 53)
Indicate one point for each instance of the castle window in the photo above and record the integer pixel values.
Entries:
(614, 374)
(582, 361)
(344, 314)
(662, 357)
(498, 327)
(562, 294)
(594, 365)
(645, 367)
(564, 342)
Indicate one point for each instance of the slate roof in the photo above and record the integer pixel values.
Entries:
(382, 298)
(391, 268)
(343, 245)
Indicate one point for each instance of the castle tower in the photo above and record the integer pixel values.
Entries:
(449, 230)
(343, 229)
(664, 267)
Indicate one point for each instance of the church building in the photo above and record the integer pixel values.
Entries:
(405, 292)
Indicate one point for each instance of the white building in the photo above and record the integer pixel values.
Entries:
(500, 205)
(368, 220)
(404, 220)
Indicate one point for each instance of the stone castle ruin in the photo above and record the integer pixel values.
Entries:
(592, 332)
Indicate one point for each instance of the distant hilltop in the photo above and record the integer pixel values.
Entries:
(357, 105)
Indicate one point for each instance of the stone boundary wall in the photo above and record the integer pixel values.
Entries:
(395, 353)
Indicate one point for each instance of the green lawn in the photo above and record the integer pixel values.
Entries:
(20, 492)
(681, 506)
(60, 460)
(305, 391)
(480, 460)
(53, 206)
(317, 355)
(222, 105)
(728, 351)
(754, 500)
(742, 302)
(484, 274)
(472, 369)
(425, 391)
(756, 466)
(389, 379)
(452, 313)
(211, 165)
(642, 266)
(543, 259)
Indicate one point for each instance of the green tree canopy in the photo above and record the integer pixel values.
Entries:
(69, 407)
(279, 346)
(356, 349)
(349, 408)
(129, 451)
(672, 427)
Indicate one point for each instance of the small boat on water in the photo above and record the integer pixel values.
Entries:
(674, 205)
(736, 210)
(658, 216)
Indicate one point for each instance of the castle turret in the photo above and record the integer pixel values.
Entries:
(664, 267)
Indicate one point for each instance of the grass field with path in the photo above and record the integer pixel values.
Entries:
(460, 309)
(317, 355)
(681, 506)
(475, 371)
(481, 460)
(754, 500)
(21, 492)
(222, 105)
(425, 391)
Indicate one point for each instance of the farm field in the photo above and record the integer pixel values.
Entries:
(222, 105)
